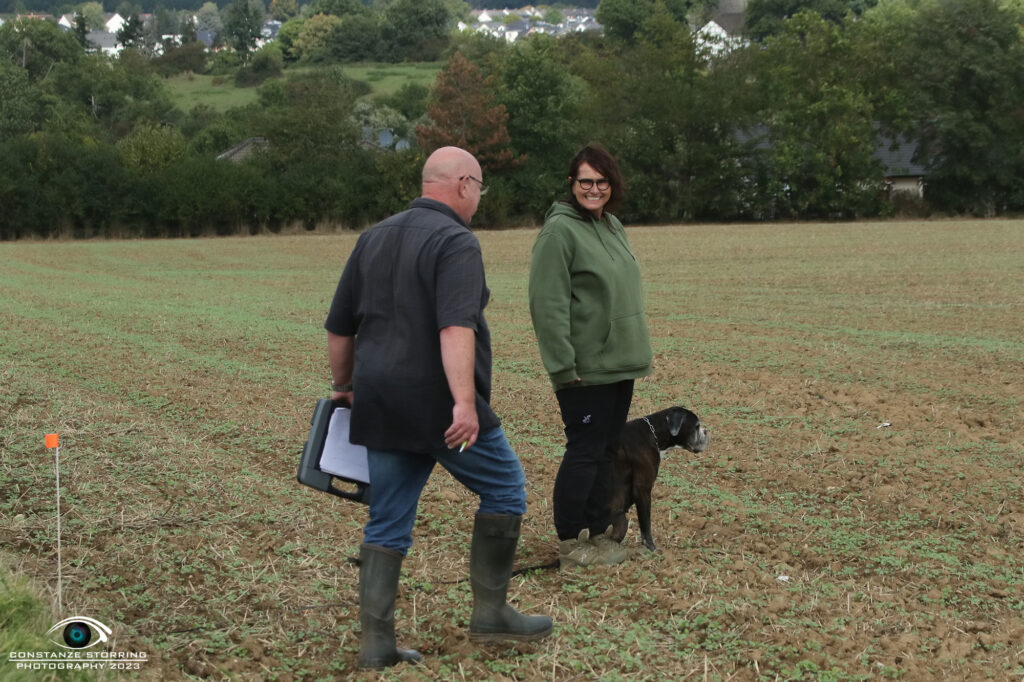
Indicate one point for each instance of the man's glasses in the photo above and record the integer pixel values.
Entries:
(587, 183)
(483, 187)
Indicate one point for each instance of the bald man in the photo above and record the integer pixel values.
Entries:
(410, 352)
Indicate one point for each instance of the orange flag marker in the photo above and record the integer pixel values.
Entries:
(52, 440)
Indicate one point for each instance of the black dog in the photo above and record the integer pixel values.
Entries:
(637, 460)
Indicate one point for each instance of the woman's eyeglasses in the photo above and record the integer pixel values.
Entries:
(588, 183)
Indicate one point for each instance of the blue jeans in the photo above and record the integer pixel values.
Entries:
(490, 469)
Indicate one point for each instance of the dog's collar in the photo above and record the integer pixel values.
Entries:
(653, 432)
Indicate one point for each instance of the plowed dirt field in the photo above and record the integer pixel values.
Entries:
(859, 514)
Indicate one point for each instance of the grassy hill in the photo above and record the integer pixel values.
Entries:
(220, 92)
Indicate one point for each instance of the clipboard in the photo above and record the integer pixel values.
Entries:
(328, 457)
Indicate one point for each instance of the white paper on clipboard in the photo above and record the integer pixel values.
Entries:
(340, 457)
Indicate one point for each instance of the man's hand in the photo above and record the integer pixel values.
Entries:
(464, 429)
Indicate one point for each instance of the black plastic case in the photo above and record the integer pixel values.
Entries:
(309, 465)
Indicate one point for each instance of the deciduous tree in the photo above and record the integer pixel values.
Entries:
(416, 30)
(464, 113)
(243, 21)
(37, 46)
(188, 29)
(338, 8)
(150, 147)
(208, 18)
(311, 42)
(356, 37)
(668, 119)
(767, 17)
(132, 34)
(820, 121)
(19, 102)
(958, 70)
(95, 18)
(410, 100)
(622, 19)
(309, 116)
(283, 10)
(542, 99)
(115, 95)
(81, 31)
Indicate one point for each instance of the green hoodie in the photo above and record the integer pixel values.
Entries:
(586, 301)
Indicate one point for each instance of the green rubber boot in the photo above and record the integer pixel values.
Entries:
(378, 586)
(495, 537)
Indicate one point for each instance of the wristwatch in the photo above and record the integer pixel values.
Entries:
(341, 388)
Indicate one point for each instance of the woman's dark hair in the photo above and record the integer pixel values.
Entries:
(601, 160)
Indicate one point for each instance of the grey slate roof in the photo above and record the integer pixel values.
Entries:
(897, 157)
(101, 40)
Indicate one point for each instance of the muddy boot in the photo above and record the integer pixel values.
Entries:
(490, 568)
(578, 552)
(608, 550)
(587, 551)
(378, 585)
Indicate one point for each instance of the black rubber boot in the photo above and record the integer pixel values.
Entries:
(378, 585)
(495, 537)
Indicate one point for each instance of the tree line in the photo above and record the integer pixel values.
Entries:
(785, 126)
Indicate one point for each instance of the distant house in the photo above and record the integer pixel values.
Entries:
(517, 24)
(714, 38)
(543, 27)
(270, 30)
(115, 22)
(579, 20)
(902, 172)
(103, 41)
(514, 29)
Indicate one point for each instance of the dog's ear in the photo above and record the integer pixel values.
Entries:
(675, 421)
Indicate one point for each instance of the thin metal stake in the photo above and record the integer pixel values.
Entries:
(60, 602)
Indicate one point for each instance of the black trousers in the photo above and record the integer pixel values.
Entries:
(593, 418)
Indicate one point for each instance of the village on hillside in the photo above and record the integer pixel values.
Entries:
(722, 32)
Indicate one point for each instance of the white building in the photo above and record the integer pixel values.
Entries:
(114, 23)
(513, 25)
(716, 40)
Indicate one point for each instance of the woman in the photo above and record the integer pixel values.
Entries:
(586, 302)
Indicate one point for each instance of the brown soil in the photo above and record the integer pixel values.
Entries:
(858, 514)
